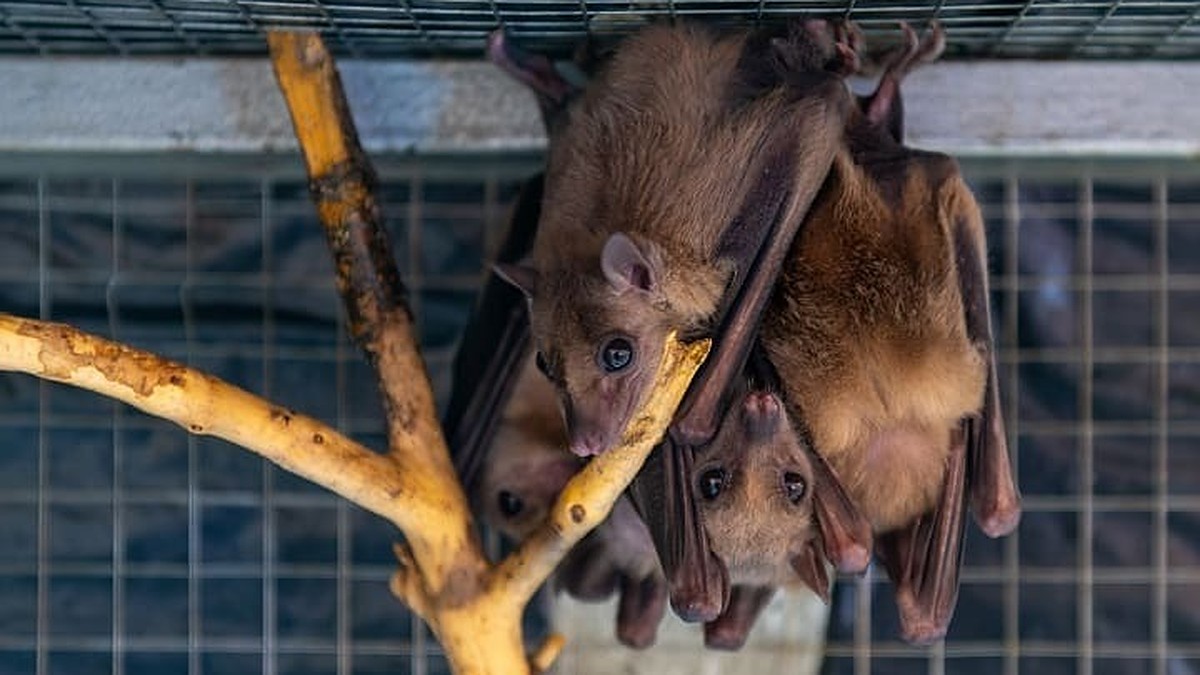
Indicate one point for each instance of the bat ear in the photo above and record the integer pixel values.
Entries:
(523, 277)
(626, 266)
(810, 565)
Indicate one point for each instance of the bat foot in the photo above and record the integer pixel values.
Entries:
(534, 70)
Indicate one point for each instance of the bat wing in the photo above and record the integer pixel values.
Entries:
(757, 242)
(992, 492)
(923, 560)
(845, 533)
(494, 345)
(729, 630)
(697, 581)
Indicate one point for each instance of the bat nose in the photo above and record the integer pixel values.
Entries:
(588, 444)
(589, 436)
(760, 412)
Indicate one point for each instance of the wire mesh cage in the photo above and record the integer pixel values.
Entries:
(133, 547)
(128, 546)
(390, 28)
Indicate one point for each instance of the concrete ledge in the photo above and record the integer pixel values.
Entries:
(1011, 108)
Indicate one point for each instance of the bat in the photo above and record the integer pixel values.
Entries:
(881, 335)
(502, 422)
(509, 445)
(662, 186)
(761, 488)
(669, 191)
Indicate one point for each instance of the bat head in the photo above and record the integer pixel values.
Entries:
(755, 487)
(524, 473)
(599, 337)
(526, 466)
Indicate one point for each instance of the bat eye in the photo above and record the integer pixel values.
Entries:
(510, 504)
(794, 486)
(712, 482)
(540, 361)
(616, 355)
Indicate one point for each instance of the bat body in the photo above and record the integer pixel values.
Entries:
(672, 194)
(661, 185)
(880, 333)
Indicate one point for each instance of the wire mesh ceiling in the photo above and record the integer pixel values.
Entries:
(1118, 29)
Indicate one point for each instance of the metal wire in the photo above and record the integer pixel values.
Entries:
(133, 547)
(1120, 29)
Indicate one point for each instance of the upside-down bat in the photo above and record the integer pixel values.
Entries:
(510, 448)
(880, 331)
(760, 463)
(672, 195)
(881, 335)
(701, 589)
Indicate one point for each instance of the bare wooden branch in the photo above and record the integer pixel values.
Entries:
(477, 618)
(473, 608)
(342, 182)
(203, 404)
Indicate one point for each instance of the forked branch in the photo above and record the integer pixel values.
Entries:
(473, 608)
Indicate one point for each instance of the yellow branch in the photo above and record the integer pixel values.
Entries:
(589, 497)
(342, 182)
(203, 404)
(477, 613)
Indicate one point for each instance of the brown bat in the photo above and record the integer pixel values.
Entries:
(881, 335)
(672, 196)
(510, 447)
(662, 185)
(760, 489)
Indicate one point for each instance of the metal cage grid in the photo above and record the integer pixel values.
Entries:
(1125, 29)
(130, 547)
(127, 546)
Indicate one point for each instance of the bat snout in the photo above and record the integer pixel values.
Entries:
(589, 443)
(590, 435)
(760, 414)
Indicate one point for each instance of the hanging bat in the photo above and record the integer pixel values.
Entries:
(510, 447)
(881, 335)
(669, 190)
(761, 489)
(527, 467)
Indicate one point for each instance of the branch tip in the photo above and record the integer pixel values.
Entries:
(545, 655)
